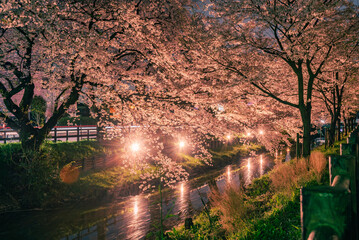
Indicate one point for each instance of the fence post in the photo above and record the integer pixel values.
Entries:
(5, 137)
(67, 135)
(55, 134)
(97, 133)
(78, 133)
(88, 134)
(318, 210)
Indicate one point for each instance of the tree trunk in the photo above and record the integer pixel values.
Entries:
(32, 138)
(306, 119)
(31, 142)
(338, 127)
(331, 135)
(345, 125)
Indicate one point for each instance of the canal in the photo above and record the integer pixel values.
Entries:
(131, 217)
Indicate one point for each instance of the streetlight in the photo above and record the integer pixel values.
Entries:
(181, 144)
(228, 137)
(261, 132)
(135, 147)
(248, 134)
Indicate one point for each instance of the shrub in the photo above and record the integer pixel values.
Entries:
(233, 208)
(318, 163)
(34, 179)
(294, 174)
(259, 186)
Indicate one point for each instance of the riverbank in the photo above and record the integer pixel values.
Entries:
(25, 185)
(269, 208)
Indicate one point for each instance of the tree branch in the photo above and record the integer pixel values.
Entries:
(270, 94)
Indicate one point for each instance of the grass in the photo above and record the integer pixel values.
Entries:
(267, 209)
(334, 150)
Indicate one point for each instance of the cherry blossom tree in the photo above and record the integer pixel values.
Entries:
(280, 47)
(42, 48)
(108, 53)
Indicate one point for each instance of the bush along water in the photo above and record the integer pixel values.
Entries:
(34, 180)
(268, 208)
(26, 179)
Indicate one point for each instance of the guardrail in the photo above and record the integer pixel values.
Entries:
(331, 212)
(59, 133)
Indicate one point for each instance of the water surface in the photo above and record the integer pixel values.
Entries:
(126, 217)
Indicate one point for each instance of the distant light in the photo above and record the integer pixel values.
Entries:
(288, 150)
(181, 144)
(135, 147)
(261, 160)
(249, 164)
(322, 121)
(248, 134)
(220, 108)
(228, 137)
(261, 132)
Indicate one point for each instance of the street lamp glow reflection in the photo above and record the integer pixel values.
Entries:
(182, 189)
(135, 207)
(135, 147)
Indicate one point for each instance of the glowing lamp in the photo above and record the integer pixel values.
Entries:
(181, 144)
(248, 134)
(261, 132)
(135, 147)
(229, 137)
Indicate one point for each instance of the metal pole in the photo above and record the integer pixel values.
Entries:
(78, 133)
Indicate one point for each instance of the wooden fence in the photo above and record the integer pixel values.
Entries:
(68, 133)
(220, 145)
(331, 212)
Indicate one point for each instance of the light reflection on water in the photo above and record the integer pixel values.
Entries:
(137, 222)
(249, 172)
(132, 217)
(181, 202)
(228, 174)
